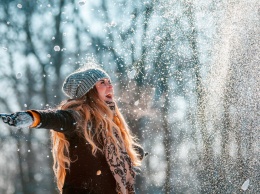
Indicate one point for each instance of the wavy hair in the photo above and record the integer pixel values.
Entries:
(89, 111)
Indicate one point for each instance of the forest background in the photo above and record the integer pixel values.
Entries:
(186, 76)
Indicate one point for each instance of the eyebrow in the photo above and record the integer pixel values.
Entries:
(104, 80)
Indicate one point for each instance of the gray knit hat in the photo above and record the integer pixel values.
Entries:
(80, 82)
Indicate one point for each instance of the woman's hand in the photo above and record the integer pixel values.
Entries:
(111, 105)
(18, 119)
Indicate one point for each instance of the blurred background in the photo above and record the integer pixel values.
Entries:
(186, 77)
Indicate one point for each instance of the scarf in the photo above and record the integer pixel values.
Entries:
(120, 165)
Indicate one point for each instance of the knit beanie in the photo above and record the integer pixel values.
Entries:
(80, 82)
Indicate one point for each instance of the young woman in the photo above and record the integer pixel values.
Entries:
(93, 148)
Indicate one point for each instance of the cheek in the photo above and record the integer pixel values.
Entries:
(101, 90)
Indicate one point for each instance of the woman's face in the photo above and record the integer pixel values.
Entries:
(105, 90)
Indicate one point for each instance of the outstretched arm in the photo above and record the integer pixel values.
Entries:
(58, 120)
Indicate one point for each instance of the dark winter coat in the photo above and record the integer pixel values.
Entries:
(88, 174)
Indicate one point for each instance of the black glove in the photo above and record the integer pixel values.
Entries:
(18, 119)
(111, 105)
(141, 152)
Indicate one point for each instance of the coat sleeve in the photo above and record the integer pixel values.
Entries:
(57, 120)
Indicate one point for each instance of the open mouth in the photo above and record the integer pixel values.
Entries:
(109, 96)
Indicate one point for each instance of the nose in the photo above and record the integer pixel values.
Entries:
(109, 87)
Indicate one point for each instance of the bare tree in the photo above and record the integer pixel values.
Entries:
(154, 53)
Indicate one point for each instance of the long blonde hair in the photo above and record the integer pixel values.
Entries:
(89, 111)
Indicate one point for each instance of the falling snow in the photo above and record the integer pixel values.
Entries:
(185, 75)
(245, 185)
(56, 48)
(18, 75)
(82, 2)
(19, 6)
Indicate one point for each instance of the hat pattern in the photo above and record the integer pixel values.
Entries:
(80, 82)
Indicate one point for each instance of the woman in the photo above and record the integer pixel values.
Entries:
(93, 148)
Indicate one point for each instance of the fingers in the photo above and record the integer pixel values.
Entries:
(18, 119)
(5, 119)
(10, 119)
